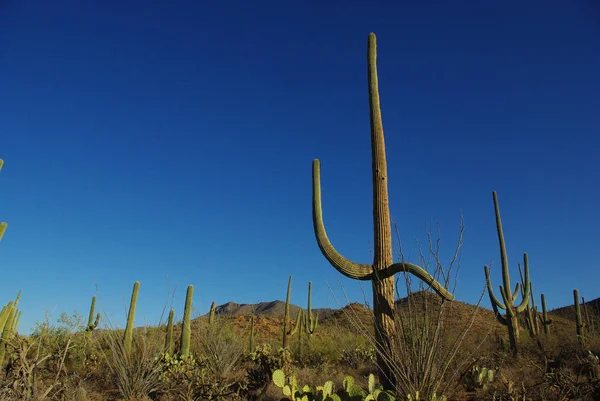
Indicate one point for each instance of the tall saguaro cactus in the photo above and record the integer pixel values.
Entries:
(286, 315)
(511, 319)
(186, 329)
(383, 268)
(128, 336)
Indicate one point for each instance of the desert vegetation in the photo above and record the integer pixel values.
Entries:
(424, 345)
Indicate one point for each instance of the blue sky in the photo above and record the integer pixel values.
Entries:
(171, 143)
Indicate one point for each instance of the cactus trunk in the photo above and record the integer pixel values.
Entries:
(286, 315)
(186, 330)
(128, 336)
(169, 336)
(579, 321)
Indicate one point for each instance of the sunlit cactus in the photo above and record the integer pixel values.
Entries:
(186, 329)
(92, 324)
(382, 270)
(510, 320)
(128, 336)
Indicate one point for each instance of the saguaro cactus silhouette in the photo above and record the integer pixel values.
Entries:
(381, 272)
(511, 319)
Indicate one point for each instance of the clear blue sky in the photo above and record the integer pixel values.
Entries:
(171, 143)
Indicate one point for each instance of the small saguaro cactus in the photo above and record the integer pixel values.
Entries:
(252, 341)
(169, 335)
(286, 315)
(579, 320)
(545, 321)
(211, 313)
(310, 321)
(128, 336)
(92, 324)
(510, 320)
(381, 272)
(186, 329)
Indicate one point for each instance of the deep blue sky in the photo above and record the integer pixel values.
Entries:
(171, 143)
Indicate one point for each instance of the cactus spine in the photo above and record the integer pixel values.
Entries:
(128, 336)
(545, 321)
(169, 336)
(383, 268)
(579, 321)
(510, 319)
(310, 321)
(91, 326)
(286, 314)
(186, 330)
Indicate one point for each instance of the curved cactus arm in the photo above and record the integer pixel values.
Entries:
(345, 266)
(526, 284)
(518, 289)
(488, 283)
(299, 322)
(509, 311)
(418, 272)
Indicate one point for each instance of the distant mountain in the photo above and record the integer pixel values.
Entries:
(272, 309)
(592, 307)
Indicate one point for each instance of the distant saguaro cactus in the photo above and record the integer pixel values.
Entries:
(128, 336)
(579, 321)
(211, 313)
(511, 320)
(310, 321)
(383, 268)
(91, 326)
(545, 321)
(286, 314)
(169, 335)
(186, 329)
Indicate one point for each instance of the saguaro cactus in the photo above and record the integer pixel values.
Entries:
(186, 330)
(310, 321)
(252, 341)
(511, 319)
(286, 314)
(531, 312)
(545, 321)
(169, 336)
(579, 320)
(91, 326)
(381, 272)
(211, 313)
(128, 336)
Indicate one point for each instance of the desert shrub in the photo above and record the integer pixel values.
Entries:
(136, 374)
